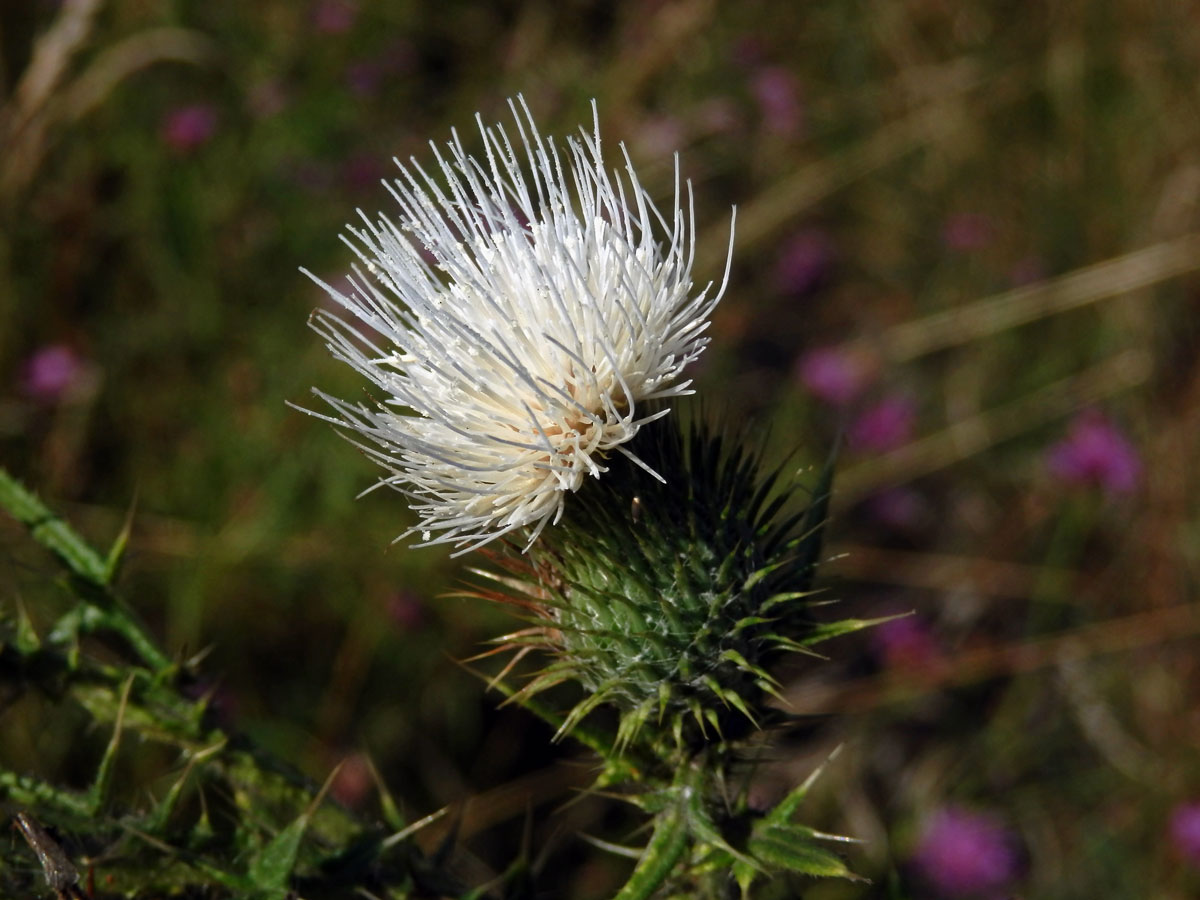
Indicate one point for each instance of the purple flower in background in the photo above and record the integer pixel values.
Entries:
(885, 426)
(187, 127)
(907, 643)
(1185, 831)
(661, 135)
(964, 853)
(804, 262)
(832, 375)
(334, 16)
(1097, 454)
(897, 508)
(774, 88)
(967, 231)
(407, 611)
(51, 372)
(365, 76)
(311, 175)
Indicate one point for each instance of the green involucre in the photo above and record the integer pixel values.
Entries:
(671, 600)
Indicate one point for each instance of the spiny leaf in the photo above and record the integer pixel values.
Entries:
(705, 831)
(788, 850)
(272, 866)
(662, 854)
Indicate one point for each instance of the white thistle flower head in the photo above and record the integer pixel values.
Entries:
(518, 314)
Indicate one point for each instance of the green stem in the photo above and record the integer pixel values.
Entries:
(50, 531)
(667, 844)
(120, 621)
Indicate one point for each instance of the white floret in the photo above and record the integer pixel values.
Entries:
(517, 324)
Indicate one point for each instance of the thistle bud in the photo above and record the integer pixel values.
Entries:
(671, 598)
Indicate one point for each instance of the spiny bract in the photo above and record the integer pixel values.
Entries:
(671, 601)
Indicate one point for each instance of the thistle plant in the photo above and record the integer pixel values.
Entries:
(233, 820)
(529, 315)
(527, 319)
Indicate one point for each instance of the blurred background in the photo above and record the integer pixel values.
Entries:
(968, 238)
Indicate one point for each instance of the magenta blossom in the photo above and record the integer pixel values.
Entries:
(661, 135)
(188, 127)
(407, 611)
(885, 426)
(51, 372)
(365, 76)
(804, 262)
(779, 100)
(963, 853)
(907, 644)
(368, 75)
(832, 375)
(1095, 453)
(1185, 831)
(897, 508)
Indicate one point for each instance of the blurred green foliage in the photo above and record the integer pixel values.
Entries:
(891, 162)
